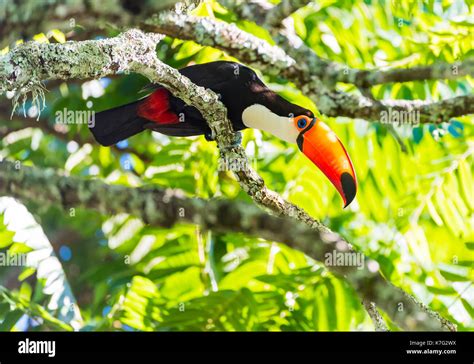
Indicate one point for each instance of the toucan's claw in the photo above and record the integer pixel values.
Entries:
(209, 135)
(237, 139)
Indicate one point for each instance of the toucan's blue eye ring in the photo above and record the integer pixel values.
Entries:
(302, 123)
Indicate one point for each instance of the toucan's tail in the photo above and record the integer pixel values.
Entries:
(111, 126)
(159, 112)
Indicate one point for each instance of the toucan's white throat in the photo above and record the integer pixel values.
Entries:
(260, 117)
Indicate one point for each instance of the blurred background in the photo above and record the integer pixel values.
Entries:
(413, 213)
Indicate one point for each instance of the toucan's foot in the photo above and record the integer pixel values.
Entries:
(237, 139)
(210, 137)
(236, 143)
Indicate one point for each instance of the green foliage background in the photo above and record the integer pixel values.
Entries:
(413, 213)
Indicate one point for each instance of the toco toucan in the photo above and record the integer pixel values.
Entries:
(250, 104)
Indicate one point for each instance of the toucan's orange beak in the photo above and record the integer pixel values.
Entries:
(322, 146)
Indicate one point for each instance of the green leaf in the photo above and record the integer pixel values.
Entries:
(10, 320)
(6, 238)
(455, 273)
(58, 35)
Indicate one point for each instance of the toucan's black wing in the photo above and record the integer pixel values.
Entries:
(225, 78)
(209, 75)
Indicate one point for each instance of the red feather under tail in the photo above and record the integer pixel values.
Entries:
(156, 107)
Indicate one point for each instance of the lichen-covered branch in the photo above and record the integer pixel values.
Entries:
(27, 65)
(263, 12)
(165, 207)
(376, 317)
(283, 10)
(436, 71)
(25, 18)
(320, 76)
(273, 60)
(336, 103)
(331, 72)
(227, 37)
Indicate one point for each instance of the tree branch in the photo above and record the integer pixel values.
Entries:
(377, 319)
(331, 72)
(436, 71)
(224, 36)
(336, 103)
(283, 10)
(21, 19)
(166, 207)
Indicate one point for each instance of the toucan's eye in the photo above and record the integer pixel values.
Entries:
(302, 123)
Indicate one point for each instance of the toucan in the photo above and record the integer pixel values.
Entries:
(250, 104)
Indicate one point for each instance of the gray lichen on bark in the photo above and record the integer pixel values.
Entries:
(23, 19)
(282, 10)
(377, 319)
(225, 36)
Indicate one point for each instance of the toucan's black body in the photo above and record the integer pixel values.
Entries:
(237, 86)
(249, 103)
